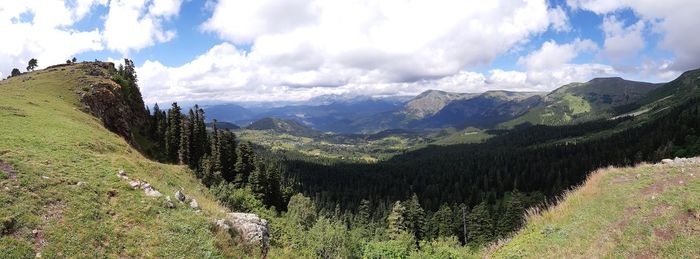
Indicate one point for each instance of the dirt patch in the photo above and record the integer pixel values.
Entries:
(664, 234)
(621, 179)
(662, 185)
(39, 240)
(112, 195)
(626, 217)
(690, 220)
(53, 211)
(659, 211)
(5, 167)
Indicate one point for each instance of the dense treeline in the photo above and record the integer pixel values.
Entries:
(216, 157)
(483, 177)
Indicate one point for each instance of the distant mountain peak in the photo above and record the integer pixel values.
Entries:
(599, 80)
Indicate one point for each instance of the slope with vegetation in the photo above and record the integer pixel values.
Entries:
(61, 195)
(647, 211)
(483, 110)
(431, 102)
(580, 102)
(284, 126)
(59, 191)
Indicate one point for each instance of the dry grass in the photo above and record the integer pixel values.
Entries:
(613, 214)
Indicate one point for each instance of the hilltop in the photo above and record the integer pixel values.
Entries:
(430, 102)
(647, 211)
(579, 102)
(59, 185)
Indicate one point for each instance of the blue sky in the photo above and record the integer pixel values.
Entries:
(291, 50)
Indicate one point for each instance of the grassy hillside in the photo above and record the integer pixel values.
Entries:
(283, 126)
(579, 102)
(59, 191)
(647, 211)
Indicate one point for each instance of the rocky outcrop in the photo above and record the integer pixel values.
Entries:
(681, 161)
(251, 229)
(121, 110)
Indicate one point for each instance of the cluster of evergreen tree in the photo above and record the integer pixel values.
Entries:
(493, 182)
(215, 155)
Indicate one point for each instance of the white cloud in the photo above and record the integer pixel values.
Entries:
(675, 20)
(299, 48)
(559, 19)
(136, 24)
(386, 40)
(552, 65)
(620, 41)
(552, 55)
(41, 29)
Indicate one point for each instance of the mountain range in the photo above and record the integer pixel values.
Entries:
(434, 109)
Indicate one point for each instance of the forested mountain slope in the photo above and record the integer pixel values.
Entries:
(60, 195)
(579, 102)
(532, 160)
(647, 211)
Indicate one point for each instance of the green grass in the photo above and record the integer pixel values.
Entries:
(52, 146)
(576, 104)
(647, 211)
(466, 136)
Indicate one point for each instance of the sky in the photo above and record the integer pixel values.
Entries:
(294, 50)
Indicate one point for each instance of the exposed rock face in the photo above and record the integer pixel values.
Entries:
(252, 229)
(107, 101)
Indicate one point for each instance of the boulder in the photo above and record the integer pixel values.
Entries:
(150, 191)
(135, 184)
(179, 196)
(251, 228)
(194, 204)
(169, 203)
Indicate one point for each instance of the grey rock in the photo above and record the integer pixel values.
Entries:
(150, 191)
(135, 184)
(252, 229)
(169, 203)
(180, 196)
(222, 224)
(122, 175)
(194, 204)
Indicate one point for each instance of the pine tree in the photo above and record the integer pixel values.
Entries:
(184, 150)
(273, 193)
(244, 163)
(172, 136)
(441, 222)
(363, 214)
(228, 155)
(415, 218)
(480, 225)
(257, 181)
(512, 218)
(396, 221)
(208, 173)
(162, 129)
(215, 150)
(201, 132)
(194, 142)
